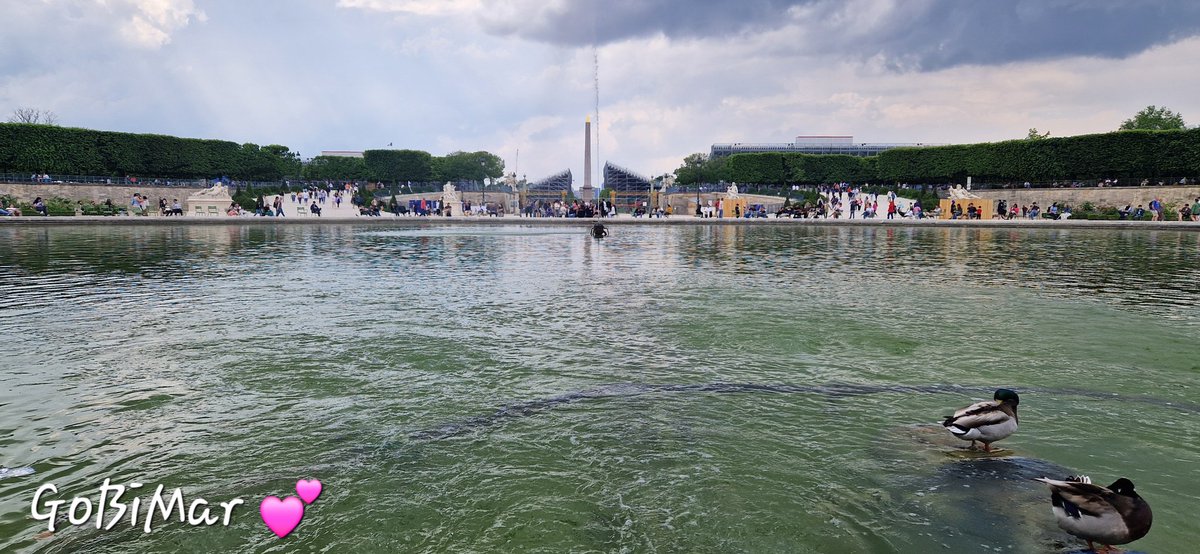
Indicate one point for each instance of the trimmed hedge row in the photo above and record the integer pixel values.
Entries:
(1124, 154)
(73, 151)
(399, 166)
(26, 148)
(780, 168)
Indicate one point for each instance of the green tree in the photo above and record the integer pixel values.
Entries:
(692, 168)
(1154, 118)
(468, 166)
(1035, 135)
(699, 168)
(399, 165)
(286, 162)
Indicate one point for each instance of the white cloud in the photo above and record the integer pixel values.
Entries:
(151, 22)
(442, 82)
(416, 7)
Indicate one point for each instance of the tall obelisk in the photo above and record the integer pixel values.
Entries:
(586, 192)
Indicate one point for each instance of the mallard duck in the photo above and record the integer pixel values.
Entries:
(1113, 515)
(986, 422)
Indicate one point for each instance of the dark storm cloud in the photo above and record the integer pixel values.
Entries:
(954, 33)
(601, 21)
(924, 34)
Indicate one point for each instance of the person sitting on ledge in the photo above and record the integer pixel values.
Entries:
(176, 207)
(315, 209)
(40, 206)
(1139, 212)
(1123, 213)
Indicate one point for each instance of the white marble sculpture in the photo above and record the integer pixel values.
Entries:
(732, 191)
(450, 200)
(218, 190)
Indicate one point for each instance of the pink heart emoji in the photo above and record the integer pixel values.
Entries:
(308, 490)
(281, 516)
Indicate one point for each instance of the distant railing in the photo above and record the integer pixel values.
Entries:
(290, 184)
(1086, 183)
(799, 145)
(781, 190)
(98, 180)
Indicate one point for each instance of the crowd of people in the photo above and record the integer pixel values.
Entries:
(559, 208)
(858, 205)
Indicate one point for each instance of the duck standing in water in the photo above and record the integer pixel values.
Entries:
(986, 422)
(599, 230)
(1112, 515)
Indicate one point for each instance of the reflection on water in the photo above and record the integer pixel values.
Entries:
(701, 389)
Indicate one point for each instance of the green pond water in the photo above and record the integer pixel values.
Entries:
(528, 389)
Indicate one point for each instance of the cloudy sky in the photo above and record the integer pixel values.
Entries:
(675, 76)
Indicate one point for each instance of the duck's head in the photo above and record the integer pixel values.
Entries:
(1123, 487)
(1009, 396)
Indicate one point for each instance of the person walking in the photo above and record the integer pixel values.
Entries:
(278, 206)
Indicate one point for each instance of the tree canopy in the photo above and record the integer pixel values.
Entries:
(1154, 118)
(698, 168)
(468, 166)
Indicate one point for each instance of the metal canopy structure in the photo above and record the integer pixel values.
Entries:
(629, 189)
(554, 187)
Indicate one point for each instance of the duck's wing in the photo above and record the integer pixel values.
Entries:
(1087, 498)
(977, 415)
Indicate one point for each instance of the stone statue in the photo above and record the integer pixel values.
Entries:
(218, 190)
(668, 182)
(450, 201)
(732, 191)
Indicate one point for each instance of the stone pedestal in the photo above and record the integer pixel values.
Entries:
(727, 204)
(208, 202)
